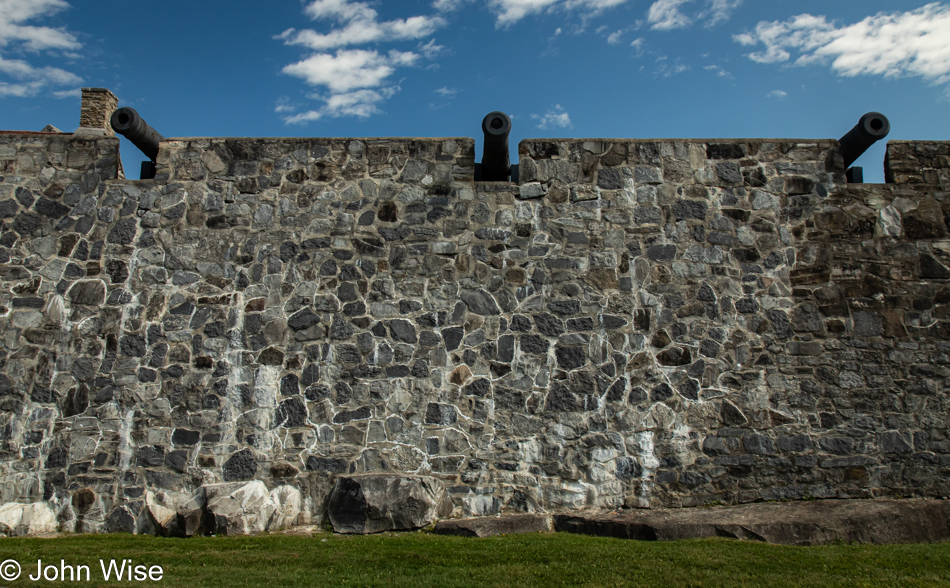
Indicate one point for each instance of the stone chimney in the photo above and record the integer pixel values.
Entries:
(98, 104)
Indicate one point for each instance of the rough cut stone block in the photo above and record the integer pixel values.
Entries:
(373, 503)
(491, 526)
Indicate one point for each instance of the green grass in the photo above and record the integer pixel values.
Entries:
(547, 560)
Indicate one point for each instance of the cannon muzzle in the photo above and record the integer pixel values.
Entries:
(496, 165)
(128, 123)
(872, 127)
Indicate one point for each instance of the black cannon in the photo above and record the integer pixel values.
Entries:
(128, 123)
(496, 165)
(872, 127)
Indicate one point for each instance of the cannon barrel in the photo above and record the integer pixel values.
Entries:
(496, 165)
(128, 123)
(872, 127)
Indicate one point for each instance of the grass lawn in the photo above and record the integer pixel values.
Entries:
(422, 559)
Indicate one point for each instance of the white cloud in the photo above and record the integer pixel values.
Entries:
(355, 81)
(447, 5)
(722, 73)
(637, 45)
(361, 30)
(446, 92)
(511, 11)
(349, 69)
(13, 13)
(665, 15)
(303, 117)
(718, 11)
(553, 118)
(614, 38)
(28, 79)
(913, 43)
(430, 50)
(777, 94)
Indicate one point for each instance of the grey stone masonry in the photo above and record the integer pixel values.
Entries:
(637, 323)
(98, 104)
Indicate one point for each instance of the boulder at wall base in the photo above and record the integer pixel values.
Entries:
(373, 503)
(26, 520)
(245, 509)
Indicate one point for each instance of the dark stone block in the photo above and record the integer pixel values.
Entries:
(725, 151)
(132, 345)
(452, 337)
(661, 252)
(747, 305)
(836, 445)
(177, 460)
(150, 456)
(291, 413)
(402, 330)
(43, 395)
(123, 233)
(326, 464)
(397, 371)
(185, 437)
(240, 466)
(549, 324)
(781, 324)
(8, 209)
(729, 173)
(50, 208)
(440, 414)
(675, 356)
(661, 392)
(794, 443)
(480, 302)
(340, 328)
(303, 319)
(570, 357)
(931, 269)
(564, 307)
(290, 385)
(687, 209)
(57, 458)
(506, 348)
(758, 444)
(480, 387)
(519, 322)
(609, 179)
(270, 356)
(560, 399)
(352, 415)
(534, 344)
(894, 442)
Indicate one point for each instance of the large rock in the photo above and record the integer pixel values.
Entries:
(193, 517)
(165, 520)
(372, 503)
(27, 519)
(246, 509)
(787, 523)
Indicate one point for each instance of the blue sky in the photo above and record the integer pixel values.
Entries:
(559, 68)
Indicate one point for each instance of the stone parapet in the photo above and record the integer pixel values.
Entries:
(918, 162)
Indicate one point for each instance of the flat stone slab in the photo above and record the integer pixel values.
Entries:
(491, 526)
(787, 523)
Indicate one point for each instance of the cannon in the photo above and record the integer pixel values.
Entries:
(496, 165)
(872, 127)
(128, 123)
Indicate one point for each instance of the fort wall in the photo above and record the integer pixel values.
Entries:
(636, 323)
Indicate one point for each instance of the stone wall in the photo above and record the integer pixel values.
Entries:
(637, 323)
